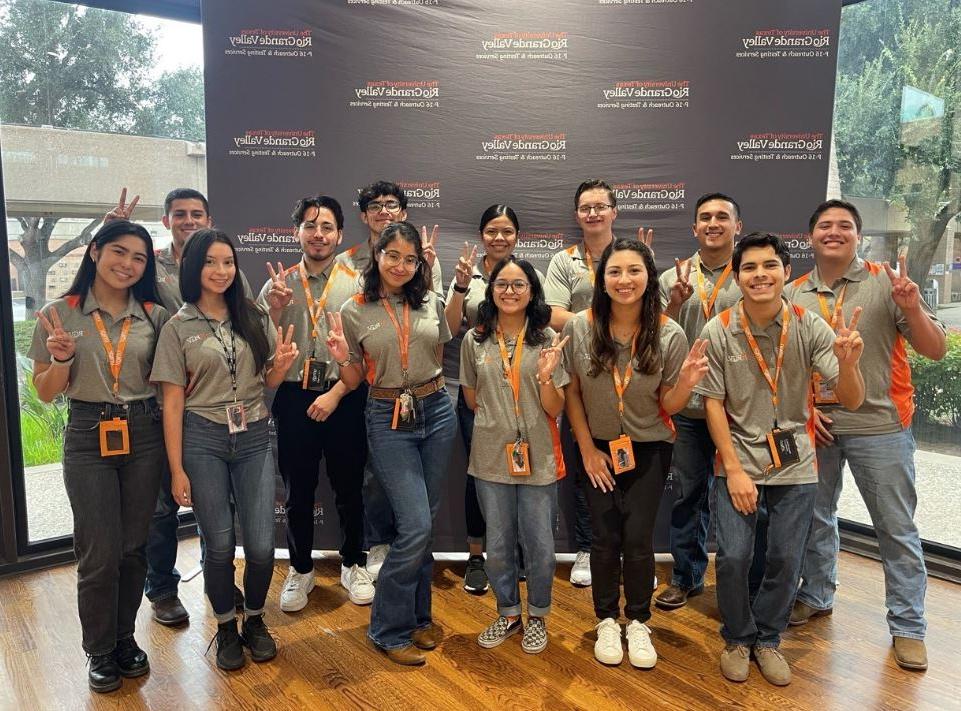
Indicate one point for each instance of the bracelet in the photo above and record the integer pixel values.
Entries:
(68, 361)
(461, 289)
(549, 381)
(344, 363)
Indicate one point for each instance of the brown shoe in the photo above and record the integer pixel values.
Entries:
(802, 612)
(425, 638)
(674, 596)
(409, 656)
(773, 665)
(169, 611)
(910, 653)
(736, 662)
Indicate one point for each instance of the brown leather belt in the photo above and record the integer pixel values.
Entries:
(422, 390)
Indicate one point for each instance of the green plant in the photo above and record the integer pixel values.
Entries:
(937, 384)
(42, 424)
(23, 335)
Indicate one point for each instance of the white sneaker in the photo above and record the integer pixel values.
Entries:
(640, 650)
(358, 583)
(608, 648)
(581, 572)
(655, 582)
(296, 588)
(375, 559)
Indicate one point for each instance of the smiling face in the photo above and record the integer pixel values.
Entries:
(219, 269)
(594, 212)
(499, 237)
(121, 263)
(835, 236)
(381, 211)
(762, 275)
(511, 290)
(186, 216)
(716, 226)
(318, 234)
(397, 264)
(625, 277)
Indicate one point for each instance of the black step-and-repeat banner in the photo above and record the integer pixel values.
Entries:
(470, 103)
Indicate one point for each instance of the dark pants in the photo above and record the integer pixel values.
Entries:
(301, 445)
(693, 469)
(476, 526)
(162, 574)
(573, 465)
(112, 499)
(623, 525)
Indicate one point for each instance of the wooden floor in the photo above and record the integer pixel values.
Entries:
(842, 661)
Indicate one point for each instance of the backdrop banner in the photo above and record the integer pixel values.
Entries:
(470, 103)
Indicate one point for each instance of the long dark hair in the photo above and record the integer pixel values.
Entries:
(415, 290)
(538, 312)
(247, 321)
(145, 290)
(647, 342)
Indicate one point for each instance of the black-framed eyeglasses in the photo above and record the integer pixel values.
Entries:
(390, 205)
(519, 286)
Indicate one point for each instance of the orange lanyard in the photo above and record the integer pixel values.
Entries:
(832, 318)
(707, 303)
(589, 262)
(621, 385)
(321, 302)
(403, 334)
(114, 358)
(759, 357)
(512, 368)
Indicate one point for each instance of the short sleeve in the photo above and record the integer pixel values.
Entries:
(246, 284)
(468, 366)
(169, 365)
(664, 289)
(38, 345)
(712, 385)
(271, 332)
(557, 288)
(350, 319)
(262, 297)
(568, 352)
(675, 351)
(443, 329)
(822, 348)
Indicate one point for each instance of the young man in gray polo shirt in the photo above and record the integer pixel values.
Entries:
(876, 441)
(762, 352)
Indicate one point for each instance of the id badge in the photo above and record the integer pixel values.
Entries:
(518, 458)
(315, 374)
(236, 418)
(783, 448)
(114, 437)
(823, 395)
(405, 413)
(622, 454)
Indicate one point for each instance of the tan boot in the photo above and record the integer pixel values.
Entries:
(773, 665)
(910, 653)
(802, 612)
(736, 662)
(408, 656)
(425, 638)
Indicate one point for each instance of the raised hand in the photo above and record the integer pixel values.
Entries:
(286, 352)
(60, 344)
(646, 237)
(848, 345)
(682, 290)
(122, 211)
(464, 271)
(549, 358)
(695, 366)
(428, 245)
(336, 343)
(280, 295)
(905, 292)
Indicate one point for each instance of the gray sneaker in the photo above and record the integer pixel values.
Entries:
(736, 662)
(535, 635)
(773, 665)
(500, 629)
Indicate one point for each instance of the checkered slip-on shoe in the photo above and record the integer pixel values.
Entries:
(500, 629)
(535, 635)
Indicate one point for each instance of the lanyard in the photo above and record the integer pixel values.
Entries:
(621, 385)
(589, 262)
(114, 358)
(759, 357)
(512, 367)
(321, 302)
(403, 335)
(707, 303)
(832, 318)
(231, 355)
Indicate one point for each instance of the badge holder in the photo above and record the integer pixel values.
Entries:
(405, 413)
(518, 457)
(114, 437)
(236, 418)
(783, 448)
(622, 454)
(823, 395)
(315, 374)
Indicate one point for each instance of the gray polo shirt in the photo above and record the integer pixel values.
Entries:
(90, 378)
(371, 335)
(358, 257)
(475, 292)
(568, 284)
(343, 285)
(691, 316)
(168, 280)
(189, 355)
(495, 424)
(735, 378)
(644, 419)
(888, 393)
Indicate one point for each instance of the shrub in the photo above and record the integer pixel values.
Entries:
(937, 384)
(42, 424)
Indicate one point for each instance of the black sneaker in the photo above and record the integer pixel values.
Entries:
(257, 639)
(230, 651)
(103, 674)
(238, 599)
(131, 659)
(475, 579)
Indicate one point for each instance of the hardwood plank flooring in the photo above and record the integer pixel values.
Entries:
(324, 661)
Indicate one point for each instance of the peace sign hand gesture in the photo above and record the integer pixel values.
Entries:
(848, 345)
(122, 211)
(60, 344)
(549, 358)
(464, 271)
(695, 366)
(647, 238)
(682, 290)
(286, 351)
(904, 291)
(428, 244)
(280, 295)
(336, 342)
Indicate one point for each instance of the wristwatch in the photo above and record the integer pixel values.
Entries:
(461, 289)
(344, 363)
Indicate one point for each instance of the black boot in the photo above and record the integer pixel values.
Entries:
(258, 640)
(230, 651)
(103, 674)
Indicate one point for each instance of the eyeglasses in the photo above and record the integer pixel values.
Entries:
(518, 285)
(493, 232)
(390, 205)
(392, 259)
(325, 229)
(600, 209)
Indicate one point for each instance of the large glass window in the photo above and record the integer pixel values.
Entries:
(90, 101)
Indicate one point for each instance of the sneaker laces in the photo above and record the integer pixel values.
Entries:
(359, 574)
(739, 649)
(293, 581)
(582, 558)
(761, 651)
(639, 633)
(608, 633)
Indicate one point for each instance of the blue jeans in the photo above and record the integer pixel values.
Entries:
(883, 469)
(220, 464)
(379, 526)
(410, 467)
(525, 514)
(162, 574)
(693, 467)
(789, 510)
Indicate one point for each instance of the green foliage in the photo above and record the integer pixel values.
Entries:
(42, 424)
(174, 108)
(23, 335)
(937, 385)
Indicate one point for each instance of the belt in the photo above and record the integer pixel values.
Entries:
(423, 390)
(114, 409)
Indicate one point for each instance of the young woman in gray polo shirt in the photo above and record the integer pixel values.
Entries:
(214, 361)
(630, 371)
(511, 381)
(394, 332)
(95, 346)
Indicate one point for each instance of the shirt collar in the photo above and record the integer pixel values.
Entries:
(133, 307)
(736, 317)
(857, 271)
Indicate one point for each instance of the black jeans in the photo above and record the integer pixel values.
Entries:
(622, 522)
(476, 526)
(301, 444)
(112, 499)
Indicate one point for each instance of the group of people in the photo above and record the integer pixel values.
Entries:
(752, 391)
